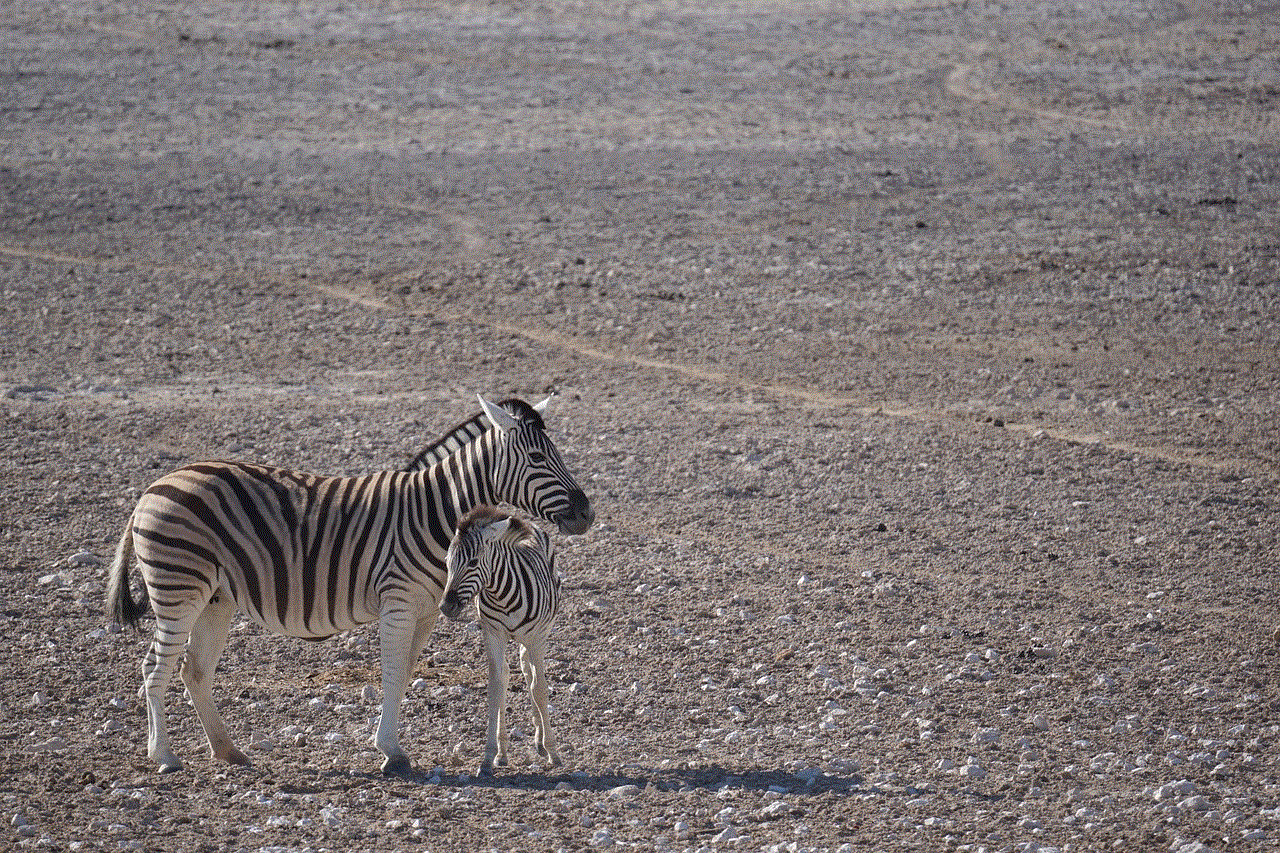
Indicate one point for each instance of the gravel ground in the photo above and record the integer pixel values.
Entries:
(921, 361)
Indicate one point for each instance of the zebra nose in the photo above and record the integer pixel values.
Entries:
(579, 517)
(451, 607)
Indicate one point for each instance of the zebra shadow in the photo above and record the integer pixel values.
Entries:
(631, 779)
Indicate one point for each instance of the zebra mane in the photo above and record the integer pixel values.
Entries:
(468, 431)
(484, 515)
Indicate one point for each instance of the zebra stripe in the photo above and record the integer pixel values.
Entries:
(310, 556)
(506, 567)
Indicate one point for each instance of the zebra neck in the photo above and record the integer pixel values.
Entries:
(463, 479)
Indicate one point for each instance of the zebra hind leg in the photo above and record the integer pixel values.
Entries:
(533, 665)
(204, 648)
(157, 671)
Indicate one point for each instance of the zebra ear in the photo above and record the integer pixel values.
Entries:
(541, 408)
(497, 415)
(499, 528)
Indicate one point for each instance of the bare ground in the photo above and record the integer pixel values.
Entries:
(921, 360)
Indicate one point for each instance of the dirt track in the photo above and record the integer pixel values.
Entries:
(921, 359)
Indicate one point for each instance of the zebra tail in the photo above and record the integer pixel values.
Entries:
(120, 602)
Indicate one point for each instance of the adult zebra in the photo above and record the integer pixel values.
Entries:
(508, 568)
(310, 557)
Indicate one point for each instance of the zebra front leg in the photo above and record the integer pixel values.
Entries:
(496, 741)
(397, 636)
(533, 665)
(204, 648)
(157, 671)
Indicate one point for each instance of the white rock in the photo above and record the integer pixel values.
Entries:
(986, 736)
(369, 695)
(775, 810)
(623, 791)
(332, 815)
(1181, 846)
(39, 700)
(726, 835)
(53, 744)
(1173, 790)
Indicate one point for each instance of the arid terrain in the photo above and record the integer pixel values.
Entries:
(922, 361)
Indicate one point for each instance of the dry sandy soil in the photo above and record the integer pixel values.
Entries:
(920, 358)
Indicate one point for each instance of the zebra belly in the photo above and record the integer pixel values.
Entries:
(295, 620)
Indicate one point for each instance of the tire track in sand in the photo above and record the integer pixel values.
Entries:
(809, 396)
(822, 399)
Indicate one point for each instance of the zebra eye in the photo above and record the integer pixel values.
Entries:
(537, 457)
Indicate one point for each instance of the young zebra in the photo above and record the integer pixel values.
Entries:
(507, 567)
(310, 557)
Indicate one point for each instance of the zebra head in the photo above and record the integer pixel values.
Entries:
(528, 472)
(466, 560)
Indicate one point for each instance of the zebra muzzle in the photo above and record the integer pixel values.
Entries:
(452, 607)
(579, 517)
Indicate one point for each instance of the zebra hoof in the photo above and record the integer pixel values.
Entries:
(170, 768)
(236, 757)
(485, 772)
(396, 764)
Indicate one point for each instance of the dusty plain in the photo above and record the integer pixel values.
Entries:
(922, 360)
